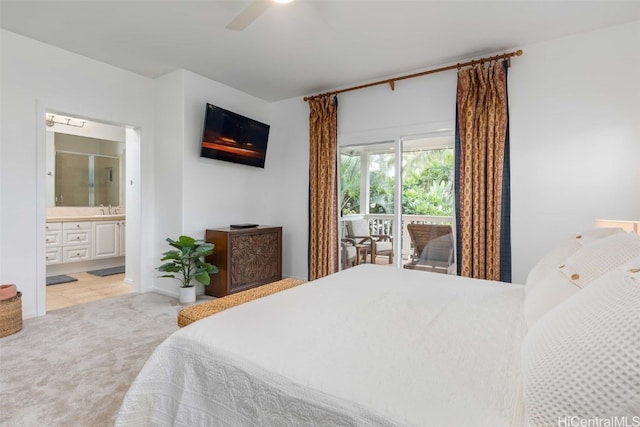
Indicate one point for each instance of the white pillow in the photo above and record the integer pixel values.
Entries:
(583, 358)
(580, 268)
(556, 257)
(596, 259)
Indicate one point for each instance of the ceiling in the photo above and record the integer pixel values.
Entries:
(304, 47)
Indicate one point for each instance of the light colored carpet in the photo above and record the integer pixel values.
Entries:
(74, 365)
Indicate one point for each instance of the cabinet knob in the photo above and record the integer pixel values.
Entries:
(78, 225)
(78, 238)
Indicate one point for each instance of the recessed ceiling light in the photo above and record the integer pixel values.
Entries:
(283, 1)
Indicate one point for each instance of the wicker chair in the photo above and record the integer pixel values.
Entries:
(379, 244)
(432, 246)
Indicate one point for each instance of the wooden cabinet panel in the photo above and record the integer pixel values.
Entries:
(245, 257)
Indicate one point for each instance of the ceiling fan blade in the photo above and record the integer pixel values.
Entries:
(248, 15)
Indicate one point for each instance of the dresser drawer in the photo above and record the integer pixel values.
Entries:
(53, 256)
(53, 226)
(76, 237)
(53, 238)
(81, 225)
(76, 253)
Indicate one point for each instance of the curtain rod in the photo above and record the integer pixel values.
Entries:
(392, 81)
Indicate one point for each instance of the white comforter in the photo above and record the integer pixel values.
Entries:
(372, 345)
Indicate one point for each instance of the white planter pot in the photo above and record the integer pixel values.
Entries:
(188, 295)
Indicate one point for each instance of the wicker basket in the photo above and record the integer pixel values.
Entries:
(11, 315)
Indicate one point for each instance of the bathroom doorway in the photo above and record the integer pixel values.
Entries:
(85, 216)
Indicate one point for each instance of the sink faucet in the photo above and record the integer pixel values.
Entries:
(102, 209)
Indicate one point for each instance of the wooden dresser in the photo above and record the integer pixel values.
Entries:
(245, 257)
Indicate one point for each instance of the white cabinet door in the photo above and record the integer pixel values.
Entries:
(123, 238)
(106, 239)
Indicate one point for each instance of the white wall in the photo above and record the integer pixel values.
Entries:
(213, 193)
(193, 193)
(35, 78)
(168, 169)
(415, 104)
(219, 193)
(289, 184)
(575, 135)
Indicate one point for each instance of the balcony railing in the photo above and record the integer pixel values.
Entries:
(383, 224)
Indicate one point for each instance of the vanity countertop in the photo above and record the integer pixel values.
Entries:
(86, 218)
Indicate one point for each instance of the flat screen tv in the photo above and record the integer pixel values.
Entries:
(234, 138)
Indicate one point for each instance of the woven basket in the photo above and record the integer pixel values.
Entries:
(11, 315)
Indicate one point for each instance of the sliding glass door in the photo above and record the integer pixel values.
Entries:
(377, 203)
(367, 203)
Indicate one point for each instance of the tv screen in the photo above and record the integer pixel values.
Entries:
(234, 138)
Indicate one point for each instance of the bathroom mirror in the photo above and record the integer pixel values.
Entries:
(83, 171)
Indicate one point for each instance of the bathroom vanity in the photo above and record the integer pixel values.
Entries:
(80, 238)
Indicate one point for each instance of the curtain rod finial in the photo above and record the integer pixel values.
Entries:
(519, 52)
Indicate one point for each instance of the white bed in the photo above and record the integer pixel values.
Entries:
(377, 346)
(372, 345)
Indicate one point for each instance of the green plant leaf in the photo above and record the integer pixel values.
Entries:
(203, 278)
(170, 267)
(186, 241)
(170, 255)
(203, 249)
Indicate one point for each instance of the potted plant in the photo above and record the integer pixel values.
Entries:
(187, 264)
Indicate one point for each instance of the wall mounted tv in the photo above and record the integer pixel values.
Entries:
(234, 138)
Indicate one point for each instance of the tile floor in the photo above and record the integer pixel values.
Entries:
(88, 288)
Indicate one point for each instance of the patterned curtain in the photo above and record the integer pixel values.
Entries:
(483, 235)
(323, 209)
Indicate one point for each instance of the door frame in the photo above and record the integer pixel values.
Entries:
(132, 198)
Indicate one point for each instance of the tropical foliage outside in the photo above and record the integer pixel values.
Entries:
(427, 183)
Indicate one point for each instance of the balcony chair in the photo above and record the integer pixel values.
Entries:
(378, 244)
(349, 253)
(432, 247)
